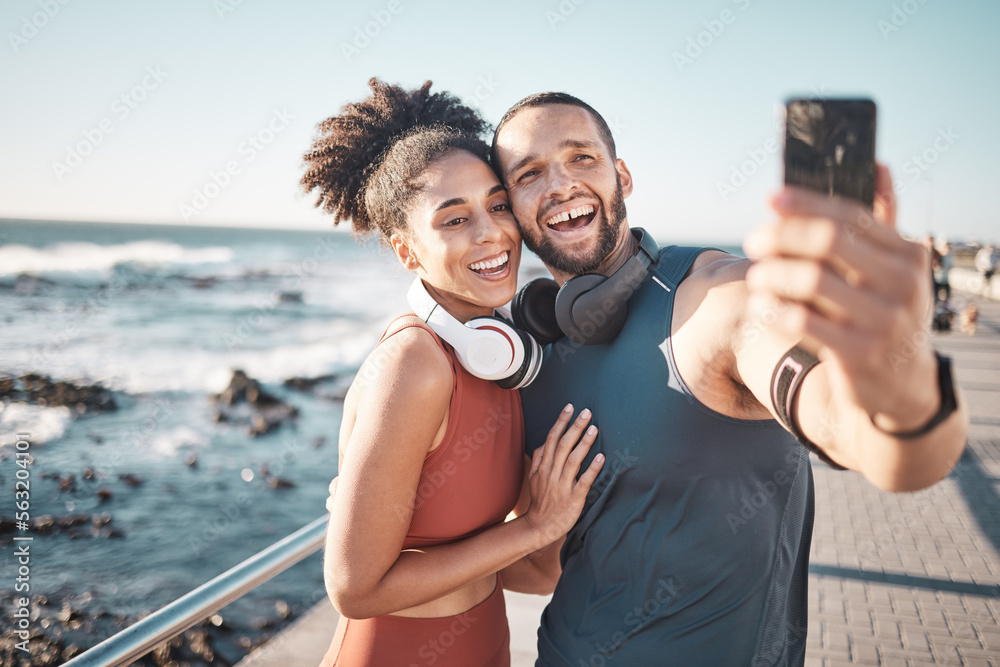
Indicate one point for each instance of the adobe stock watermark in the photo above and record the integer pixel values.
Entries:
(323, 251)
(485, 87)
(221, 179)
(466, 448)
(764, 491)
(562, 12)
(224, 7)
(667, 591)
(370, 30)
(759, 155)
(898, 17)
(623, 460)
(229, 512)
(740, 175)
(714, 28)
(920, 163)
(434, 649)
(94, 305)
(32, 25)
(121, 108)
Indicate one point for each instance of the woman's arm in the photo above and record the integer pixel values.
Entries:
(402, 403)
(538, 572)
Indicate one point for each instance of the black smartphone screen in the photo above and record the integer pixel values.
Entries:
(830, 146)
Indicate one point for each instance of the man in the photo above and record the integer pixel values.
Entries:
(693, 546)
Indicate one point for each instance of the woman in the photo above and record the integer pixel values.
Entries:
(431, 457)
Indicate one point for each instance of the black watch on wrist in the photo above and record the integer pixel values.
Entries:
(949, 402)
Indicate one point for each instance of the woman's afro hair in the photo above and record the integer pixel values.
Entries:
(365, 160)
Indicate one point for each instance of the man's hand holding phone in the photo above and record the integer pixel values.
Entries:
(841, 278)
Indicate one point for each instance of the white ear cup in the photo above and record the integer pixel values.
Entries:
(488, 347)
(497, 350)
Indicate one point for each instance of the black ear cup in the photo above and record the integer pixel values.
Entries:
(534, 310)
(588, 320)
(591, 308)
(529, 368)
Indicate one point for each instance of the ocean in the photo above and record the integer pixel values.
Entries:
(161, 316)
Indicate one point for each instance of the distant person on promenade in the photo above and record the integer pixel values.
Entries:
(986, 264)
(944, 263)
(701, 368)
(431, 451)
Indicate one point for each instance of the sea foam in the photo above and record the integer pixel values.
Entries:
(39, 424)
(75, 257)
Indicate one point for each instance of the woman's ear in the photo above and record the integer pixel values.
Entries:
(404, 252)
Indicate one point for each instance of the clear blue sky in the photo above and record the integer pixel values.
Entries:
(198, 79)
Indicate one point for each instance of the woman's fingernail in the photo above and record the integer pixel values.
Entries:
(599, 458)
(592, 430)
(585, 413)
(568, 408)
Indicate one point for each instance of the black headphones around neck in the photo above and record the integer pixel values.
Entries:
(590, 308)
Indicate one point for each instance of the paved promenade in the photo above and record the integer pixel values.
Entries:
(897, 579)
(914, 579)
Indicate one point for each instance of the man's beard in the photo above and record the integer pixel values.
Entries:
(553, 257)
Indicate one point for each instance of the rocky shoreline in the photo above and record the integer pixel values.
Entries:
(41, 390)
(65, 623)
(62, 628)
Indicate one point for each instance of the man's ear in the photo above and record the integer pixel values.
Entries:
(625, 175)
(404, 252)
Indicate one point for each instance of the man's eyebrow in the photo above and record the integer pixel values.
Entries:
(520, 164)
(582, 144)
(459, 201)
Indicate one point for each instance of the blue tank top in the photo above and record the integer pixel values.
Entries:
(693, 545)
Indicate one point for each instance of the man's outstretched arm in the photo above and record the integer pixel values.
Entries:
(841, 282)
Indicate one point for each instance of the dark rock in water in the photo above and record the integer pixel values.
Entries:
(191, 459)
(88, 473)
(318, 441)
(104, 494)
(132, 480)
(41, 390)
(98, 439)
(203, 283)
(266, 412)
(290, 297)
(29, 285)
(75, 525)
(307, 384)
(279, 483)
(67, 482)
(236, 392)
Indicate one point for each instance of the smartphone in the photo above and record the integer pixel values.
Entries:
(830, 146)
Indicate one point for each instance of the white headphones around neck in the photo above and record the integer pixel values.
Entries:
(488, 347)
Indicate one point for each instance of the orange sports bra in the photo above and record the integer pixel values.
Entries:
(472, 480)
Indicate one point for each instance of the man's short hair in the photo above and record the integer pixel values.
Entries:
(542, 99)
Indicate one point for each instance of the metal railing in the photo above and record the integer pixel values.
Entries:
(138, 639)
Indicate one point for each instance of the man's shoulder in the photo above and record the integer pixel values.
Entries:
(715, 268)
